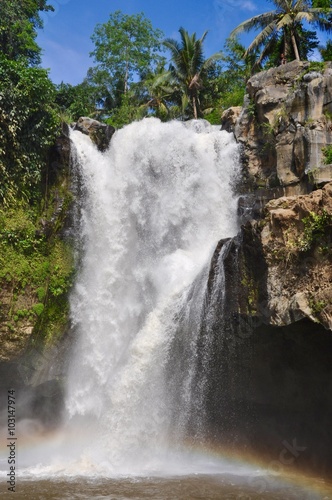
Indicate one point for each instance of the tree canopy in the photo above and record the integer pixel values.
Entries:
(28, 125)
(28, 119)
(19, 22)
(125, 47)
(285, 21)
(189, 68)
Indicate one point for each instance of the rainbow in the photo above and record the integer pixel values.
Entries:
(255, 473)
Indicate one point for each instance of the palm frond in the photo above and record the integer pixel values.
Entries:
(203, 37)
(283, 21)
(260, 39)
(173, 46)
(184, 102)
(209, 62)
(255, 22)
(308, 17)
(301, 5)
(322, 18)
(284, 5)
(288, 13)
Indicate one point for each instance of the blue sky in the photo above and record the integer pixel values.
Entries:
(65, 39)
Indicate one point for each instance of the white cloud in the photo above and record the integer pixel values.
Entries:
(248, 5)
(235, 4)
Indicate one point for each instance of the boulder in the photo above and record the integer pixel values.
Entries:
(230, 117)
(100, 133)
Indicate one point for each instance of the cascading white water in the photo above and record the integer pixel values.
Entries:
(154, 206)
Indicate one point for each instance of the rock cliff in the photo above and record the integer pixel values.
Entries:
(284, 128)
(284, 125)
(278, 271)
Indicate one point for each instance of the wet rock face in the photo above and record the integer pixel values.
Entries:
(42, 403)
(285, 123)
(59, 154)
(269, 383)
(293, 250)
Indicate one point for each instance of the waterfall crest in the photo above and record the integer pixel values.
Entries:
(152, 210)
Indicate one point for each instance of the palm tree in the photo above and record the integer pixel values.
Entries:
(286, 18)
(188, 67)
(159, 90)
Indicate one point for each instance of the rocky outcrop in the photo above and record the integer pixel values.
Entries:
(230, 117)
(293, 252)
(296, 237)
(277, 321)
(99, 133)
(271, 335)
(284, 125)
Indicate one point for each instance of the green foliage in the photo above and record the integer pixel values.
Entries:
(234, 72)
(122, 89)
(38, 309)
(155, 93)
(189, 70)
(326, 51)
(77, 100)
(316, 66)
(317, 231)
(327, 152)
(213, 117)
(17, 229)
(285, 23)
(19, 21)
(317, 306)
(27, 257)
(41, 293)
(251, 108)
(61, 269)
(28, 126)
(306, 41)
(126, 113)
(37, 268)
(125, 47)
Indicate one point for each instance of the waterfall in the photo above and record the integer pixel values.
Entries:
(152, 209)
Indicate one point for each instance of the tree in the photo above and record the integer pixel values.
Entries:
(237, 71)
(157, 92)
(286, 19)
(124, 47)
(28, 127)
(29, 122)
(306, 41)
(77, 100)
(19, 22)
(189, 68)
(326, 52)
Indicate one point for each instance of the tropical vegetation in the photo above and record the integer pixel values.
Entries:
(36, 265)
(284, 26)
(189, 70)
(19, 22)
(136, 72)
